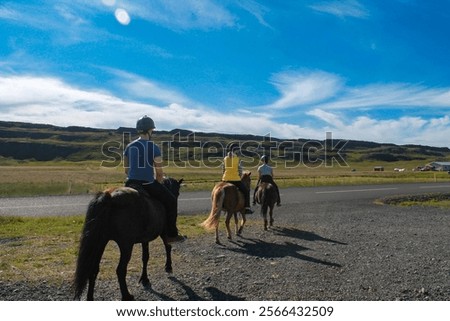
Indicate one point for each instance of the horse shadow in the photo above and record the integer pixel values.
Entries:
(215, 293)
(270, 250)
(302, 235)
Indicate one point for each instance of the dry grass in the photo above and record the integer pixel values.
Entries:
(36, 249)
(56, 178)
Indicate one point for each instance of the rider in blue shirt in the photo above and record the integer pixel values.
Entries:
(142, 161)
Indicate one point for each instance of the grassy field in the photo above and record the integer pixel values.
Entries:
(59, 178)
(35, 247)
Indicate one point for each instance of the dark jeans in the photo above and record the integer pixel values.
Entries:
(268, 179)
(244, 190)
(162, 194)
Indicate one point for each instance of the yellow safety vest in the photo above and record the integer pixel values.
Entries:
(231, 169)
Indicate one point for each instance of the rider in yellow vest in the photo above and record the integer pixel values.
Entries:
(232, 172)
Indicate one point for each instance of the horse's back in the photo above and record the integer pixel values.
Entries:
(266, 193)
(135, 213)
(233, 200)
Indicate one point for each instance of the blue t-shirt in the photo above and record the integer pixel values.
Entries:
(141, 154)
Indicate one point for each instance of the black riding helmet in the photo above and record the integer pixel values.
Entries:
(144, 124)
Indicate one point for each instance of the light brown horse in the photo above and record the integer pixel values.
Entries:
(227, 197)
(266, 195)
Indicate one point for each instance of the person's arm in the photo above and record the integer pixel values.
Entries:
(126, 164)
(157, 165)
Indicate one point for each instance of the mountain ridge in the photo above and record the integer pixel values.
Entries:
(44, 142)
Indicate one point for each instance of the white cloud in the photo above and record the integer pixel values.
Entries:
(143, 88)
(181, 15)
(256, 9)
(326, 91)
(299, 88)
(330, 118)
(53, 101)
(342, 8)
(389, 95)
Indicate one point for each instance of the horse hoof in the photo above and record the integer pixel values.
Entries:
(128, 298)
(145, 283)
(169, 270)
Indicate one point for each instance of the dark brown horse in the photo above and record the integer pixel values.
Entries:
(227, 197)
(266, 195)
(127, 217)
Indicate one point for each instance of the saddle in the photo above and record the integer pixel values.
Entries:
(138, 187)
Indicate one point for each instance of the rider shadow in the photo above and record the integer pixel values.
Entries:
(303, 235)
(269, 250)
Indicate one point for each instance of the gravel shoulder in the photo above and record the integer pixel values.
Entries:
(328, 251)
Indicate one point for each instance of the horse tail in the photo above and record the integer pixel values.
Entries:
(264, 202)
(92, 242)
(214, 216)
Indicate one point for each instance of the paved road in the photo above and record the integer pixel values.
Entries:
(199, 202)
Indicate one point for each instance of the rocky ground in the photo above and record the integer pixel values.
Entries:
(330, 251)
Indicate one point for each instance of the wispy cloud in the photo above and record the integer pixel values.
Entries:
(328, 91)
(299, 88)
(180, 15)
(390, 95)
(256, 9)
(68, 22)
(342, 8)
(139, 87)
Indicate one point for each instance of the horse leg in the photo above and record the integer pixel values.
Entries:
(144, 280)
(236, 224)
(227, 224)
(168, 248)
(217, 235)
(271, 215)
(244, 219)
(126, 248)
(93, 276)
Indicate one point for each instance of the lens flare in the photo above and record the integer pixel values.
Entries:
(122, 16)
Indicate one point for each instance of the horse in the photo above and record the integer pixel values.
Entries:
(227, 197)
(266, 195)
(126, 216)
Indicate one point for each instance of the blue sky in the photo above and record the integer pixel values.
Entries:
(366, 70)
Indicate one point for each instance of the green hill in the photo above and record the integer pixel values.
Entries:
(40, 142)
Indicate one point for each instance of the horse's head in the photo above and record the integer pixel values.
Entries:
(245, 179)
(173, 185)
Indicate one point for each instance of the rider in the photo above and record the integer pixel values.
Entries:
(142, 162)
(232, 172)
(265, 175)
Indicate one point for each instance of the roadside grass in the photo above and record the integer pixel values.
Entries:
(441, 200)
(432, 203)
(46, 248)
